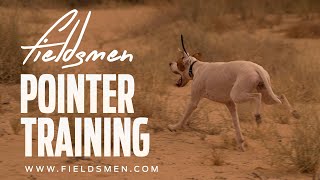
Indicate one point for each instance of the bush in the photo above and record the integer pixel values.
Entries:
(304, 30)
(303, 149)
(10, 52)
(305, 152)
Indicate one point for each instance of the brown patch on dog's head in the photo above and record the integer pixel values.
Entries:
(180, 64)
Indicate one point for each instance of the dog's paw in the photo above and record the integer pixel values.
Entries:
(242, 147)
(173, 127)
(295, 114)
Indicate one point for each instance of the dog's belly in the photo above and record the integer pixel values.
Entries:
(218, 95)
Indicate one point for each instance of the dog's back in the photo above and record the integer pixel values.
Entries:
(218, 79)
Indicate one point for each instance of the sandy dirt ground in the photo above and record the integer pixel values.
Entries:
(186, 154)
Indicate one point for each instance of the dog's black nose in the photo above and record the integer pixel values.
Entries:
(170, 63)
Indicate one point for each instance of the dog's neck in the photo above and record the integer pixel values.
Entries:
(191, 69)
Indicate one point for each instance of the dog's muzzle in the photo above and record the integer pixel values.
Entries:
(180, 81)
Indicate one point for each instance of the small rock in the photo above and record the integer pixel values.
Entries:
(31, 177)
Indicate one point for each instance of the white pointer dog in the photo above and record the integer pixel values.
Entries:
(228, 83)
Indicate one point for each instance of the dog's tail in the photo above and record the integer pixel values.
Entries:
(266, 81)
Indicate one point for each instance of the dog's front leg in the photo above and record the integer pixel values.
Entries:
(191, 107)
(232, 107)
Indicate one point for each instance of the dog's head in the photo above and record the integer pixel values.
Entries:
(182, 65)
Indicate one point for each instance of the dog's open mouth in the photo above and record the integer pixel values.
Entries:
(179, 82)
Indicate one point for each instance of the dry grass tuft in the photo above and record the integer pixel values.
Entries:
(16, 125)
(302, 151)
(306, 143)
(280, 115)
(215, 130)
(304, 30)
(217, 158)
(229, 141)
(155, 128)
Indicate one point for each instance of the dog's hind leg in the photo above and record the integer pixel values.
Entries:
(243, 97)
(268, 100)
(292, 111)
(242, 92)
(232, 107)
(191, 107)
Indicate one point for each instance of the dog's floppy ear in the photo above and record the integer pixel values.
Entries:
(180, 65)
(197, 56)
